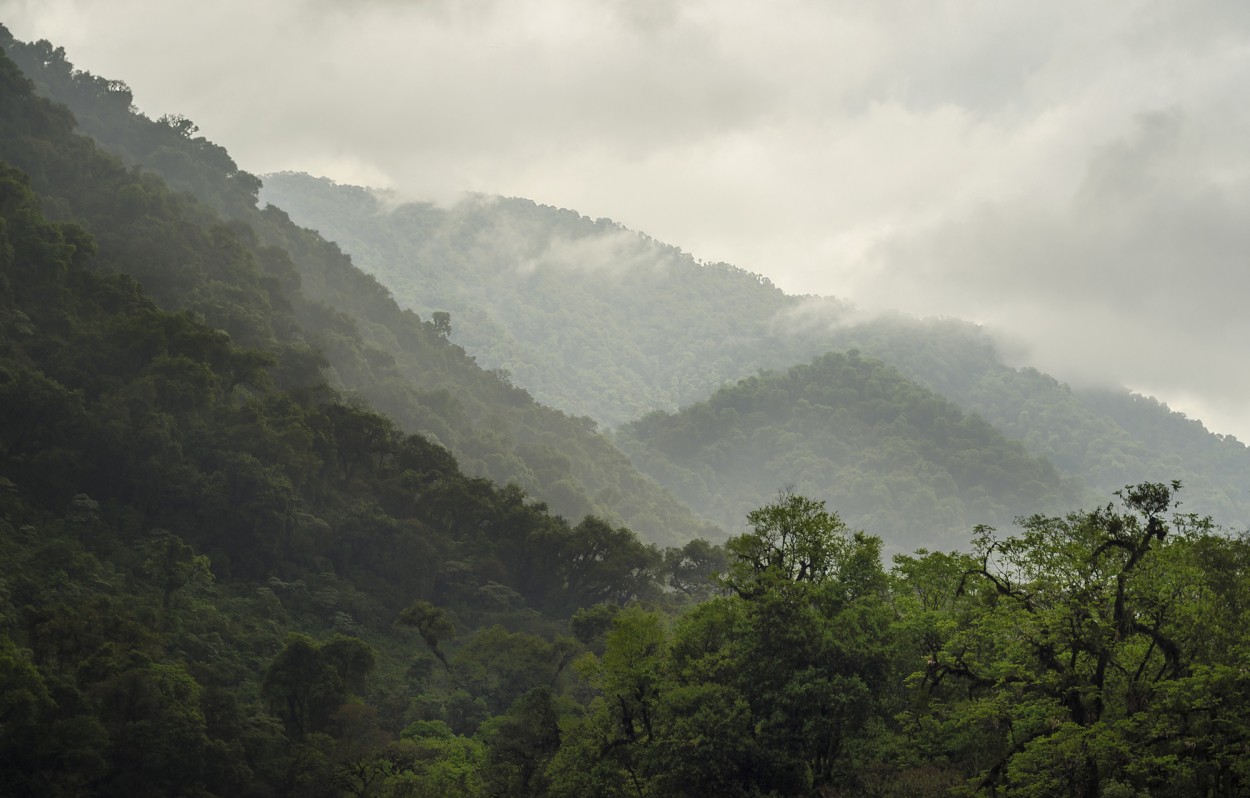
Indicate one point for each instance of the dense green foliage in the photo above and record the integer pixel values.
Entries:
(894, 457)
(277, 287)
(601, 321)
(1096, 654)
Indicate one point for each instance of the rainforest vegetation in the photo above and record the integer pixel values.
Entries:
(243, 551)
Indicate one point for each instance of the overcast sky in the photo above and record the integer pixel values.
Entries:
(1075, 174)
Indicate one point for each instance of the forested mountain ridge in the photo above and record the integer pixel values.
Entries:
(892, 456)
(281, 288)
(652, 329)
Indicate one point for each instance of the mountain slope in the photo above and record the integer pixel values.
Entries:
(278, 287)
(894, 458)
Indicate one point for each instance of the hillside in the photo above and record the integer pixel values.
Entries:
(649, 328)
(283, 289)
(892, 457)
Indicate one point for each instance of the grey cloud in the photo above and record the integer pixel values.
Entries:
(1140, 279)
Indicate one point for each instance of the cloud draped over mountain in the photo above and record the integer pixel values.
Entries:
(1140, 277)
(1071, 172)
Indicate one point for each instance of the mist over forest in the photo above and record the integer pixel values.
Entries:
(310, 487)
(605, 322)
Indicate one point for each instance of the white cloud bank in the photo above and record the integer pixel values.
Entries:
(1074, 173)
